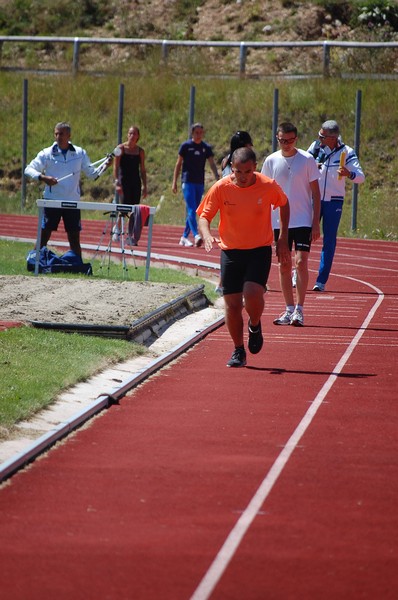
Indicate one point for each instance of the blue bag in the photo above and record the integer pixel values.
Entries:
(49, 262)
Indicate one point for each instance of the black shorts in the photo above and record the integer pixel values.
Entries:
(71, 218)
(239, 266)
(301, 236)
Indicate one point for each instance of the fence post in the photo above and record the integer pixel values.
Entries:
(76, 49)
(275, 113)
(120, 127)
(165, 51)
(191, 114)
(24, 140)
(356, 148)
(326, 59)
(242, 58)
(120, 114)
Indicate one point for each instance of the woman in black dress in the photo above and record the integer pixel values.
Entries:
(130, 174)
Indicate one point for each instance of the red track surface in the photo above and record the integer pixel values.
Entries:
(288, 466)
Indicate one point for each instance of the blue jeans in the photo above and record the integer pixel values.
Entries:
(330, 214)
(193, 193)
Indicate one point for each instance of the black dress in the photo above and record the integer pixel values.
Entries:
(130, 177)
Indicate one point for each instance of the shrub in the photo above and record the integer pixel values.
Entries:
(377, 13)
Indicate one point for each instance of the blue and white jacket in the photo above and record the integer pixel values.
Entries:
(52, 161)
(332, 188)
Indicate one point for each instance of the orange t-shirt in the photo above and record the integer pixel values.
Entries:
(245, 213)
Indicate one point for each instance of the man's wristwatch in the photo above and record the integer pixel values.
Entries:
(39, 178)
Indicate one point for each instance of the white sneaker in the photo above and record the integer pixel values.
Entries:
(185, 242)
(284, 319)
(318, 287)
(198, 241)
(297, 319)
(116, 234)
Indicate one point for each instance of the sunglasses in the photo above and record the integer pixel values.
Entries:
(326, 136)
(286, 141)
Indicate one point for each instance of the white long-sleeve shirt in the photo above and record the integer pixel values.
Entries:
(55, 163)
(333, 188)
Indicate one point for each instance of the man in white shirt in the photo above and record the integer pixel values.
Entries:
(296, 172)
(59, 167)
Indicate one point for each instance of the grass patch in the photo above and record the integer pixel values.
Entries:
(36, 365)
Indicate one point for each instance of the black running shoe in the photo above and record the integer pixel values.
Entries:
(238, 358)
(255, 339)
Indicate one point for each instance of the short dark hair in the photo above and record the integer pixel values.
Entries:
(196, 126)
(287, 127)
(244, 155)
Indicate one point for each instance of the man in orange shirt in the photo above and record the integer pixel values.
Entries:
(244, 200)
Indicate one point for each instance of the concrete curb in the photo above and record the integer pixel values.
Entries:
(44, 442)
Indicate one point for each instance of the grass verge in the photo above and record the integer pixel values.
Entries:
(37, 365)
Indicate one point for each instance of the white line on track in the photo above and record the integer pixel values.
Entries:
(231, 544)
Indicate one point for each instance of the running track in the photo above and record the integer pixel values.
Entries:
(276, 481)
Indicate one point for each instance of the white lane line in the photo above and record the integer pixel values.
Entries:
(231, 544)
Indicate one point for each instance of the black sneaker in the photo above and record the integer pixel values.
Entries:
(255, 339)
(238, 358)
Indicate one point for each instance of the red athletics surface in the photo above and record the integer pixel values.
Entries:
(97, 235)
(276, 481)
(8, 324)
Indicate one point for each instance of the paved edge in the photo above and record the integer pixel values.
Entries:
(44, 442)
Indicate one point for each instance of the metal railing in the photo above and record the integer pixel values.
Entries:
(166, 45)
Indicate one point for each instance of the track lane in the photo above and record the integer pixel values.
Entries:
(234, 539)
(150, 507)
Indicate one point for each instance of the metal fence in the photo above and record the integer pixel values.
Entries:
(325, 46)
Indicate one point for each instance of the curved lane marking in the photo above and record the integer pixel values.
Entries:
(231, 544)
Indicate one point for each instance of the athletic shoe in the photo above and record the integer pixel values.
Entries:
(185, 242)
(297, 318)
(116, 234)
(198, 241)
(284, 319)
(255, 342)
(318, 287)
(294, 278)
(238, 358)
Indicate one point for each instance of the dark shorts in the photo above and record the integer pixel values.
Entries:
(71, 218)
(239, 266)
(301, 236)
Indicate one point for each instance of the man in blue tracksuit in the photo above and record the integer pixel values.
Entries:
(336, 162)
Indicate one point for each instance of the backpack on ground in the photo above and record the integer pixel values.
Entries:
(49, 262)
